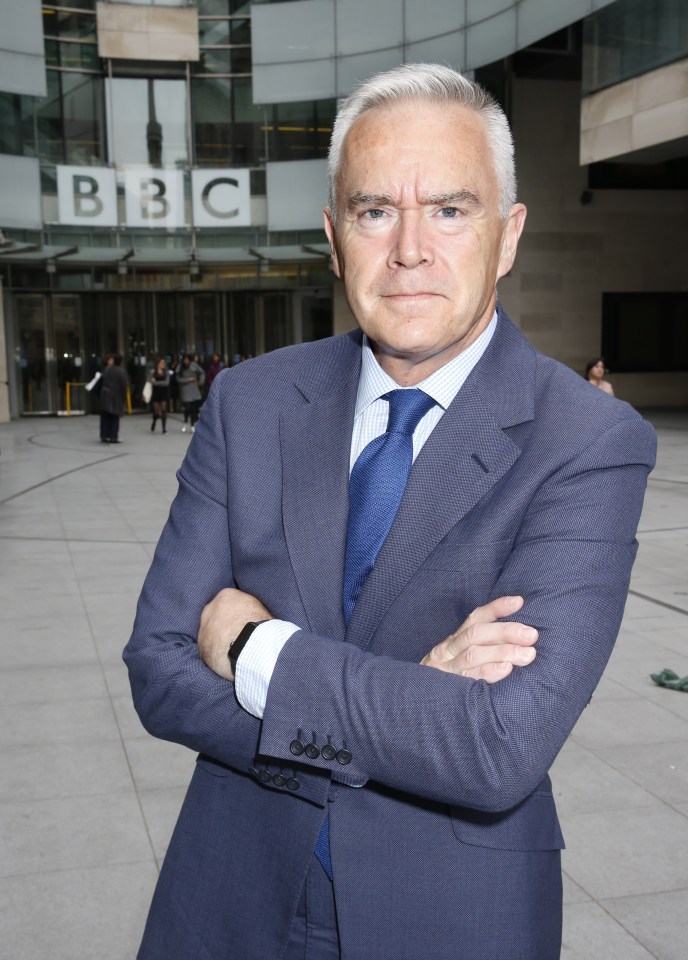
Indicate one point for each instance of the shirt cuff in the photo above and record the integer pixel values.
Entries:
(257, 661)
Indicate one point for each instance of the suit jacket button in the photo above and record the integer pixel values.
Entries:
(344, 757)
(293, 783)
(264, 776)
(328, 752)
(312, 751)
(279, 779)
(296, 748)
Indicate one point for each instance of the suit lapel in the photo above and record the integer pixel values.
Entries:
(467, 453)
(315, 439)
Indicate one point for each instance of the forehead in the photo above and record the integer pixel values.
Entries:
(430, 145)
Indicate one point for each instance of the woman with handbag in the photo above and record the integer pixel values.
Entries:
(160, 393)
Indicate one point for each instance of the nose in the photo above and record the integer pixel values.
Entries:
(410, 247)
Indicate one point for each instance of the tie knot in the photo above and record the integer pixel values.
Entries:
(406, 409)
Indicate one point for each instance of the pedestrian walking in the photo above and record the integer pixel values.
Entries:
(160, 380)
(190, 377)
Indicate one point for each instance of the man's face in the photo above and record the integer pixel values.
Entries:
(418, 242)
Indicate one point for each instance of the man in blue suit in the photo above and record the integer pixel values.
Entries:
(372, 777)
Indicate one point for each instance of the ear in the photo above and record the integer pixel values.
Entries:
(329, 230)
(510, 237)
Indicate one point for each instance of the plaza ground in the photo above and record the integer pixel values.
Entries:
(88, 800)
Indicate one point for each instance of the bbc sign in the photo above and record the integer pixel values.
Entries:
(87, 196)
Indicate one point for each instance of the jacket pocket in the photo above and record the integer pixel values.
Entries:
(531, 825)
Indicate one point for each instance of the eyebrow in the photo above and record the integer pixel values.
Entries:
(462, 197)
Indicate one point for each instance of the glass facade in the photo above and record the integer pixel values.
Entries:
(126, 112)
(632, 37)
(148, 121)
(175, 116)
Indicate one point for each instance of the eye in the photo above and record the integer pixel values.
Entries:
(449, 213)
(374, 214)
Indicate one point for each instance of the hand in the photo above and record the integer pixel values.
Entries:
(484, 649)
(222, 620)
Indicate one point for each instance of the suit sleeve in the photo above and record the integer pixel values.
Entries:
(459, 741)
(177, 697)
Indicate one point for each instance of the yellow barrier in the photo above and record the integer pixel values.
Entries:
(68, 394)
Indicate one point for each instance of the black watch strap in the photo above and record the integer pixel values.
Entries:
(238, 645)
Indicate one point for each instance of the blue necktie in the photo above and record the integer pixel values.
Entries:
(376, 487)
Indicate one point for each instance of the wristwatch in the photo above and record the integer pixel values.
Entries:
(238, 645)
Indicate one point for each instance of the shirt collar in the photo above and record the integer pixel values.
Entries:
(442, 385)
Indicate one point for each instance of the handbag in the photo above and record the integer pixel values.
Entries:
(147, 391)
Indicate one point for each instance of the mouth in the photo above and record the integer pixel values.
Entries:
(403, 297)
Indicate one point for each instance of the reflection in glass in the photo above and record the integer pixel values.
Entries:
(223, 8)
(632, 37)
(224, 60)
(213, 31)
(31, 354)
(67, 346)
(49, 121)
(227, 126)
(149, 121)
(83, 118)
(16, 125)
(211, 108)
(300, 131)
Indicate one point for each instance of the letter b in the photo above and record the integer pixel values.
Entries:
(87, 203)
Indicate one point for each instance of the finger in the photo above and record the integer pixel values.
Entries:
(477, 657)
(492, 672)
(487, 634)
(501, 607)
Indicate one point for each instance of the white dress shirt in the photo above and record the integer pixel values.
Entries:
(259, 656)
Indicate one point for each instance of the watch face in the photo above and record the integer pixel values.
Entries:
(240, 642)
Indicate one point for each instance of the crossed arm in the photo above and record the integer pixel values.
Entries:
(482, 648)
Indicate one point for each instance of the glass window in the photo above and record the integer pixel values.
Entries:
(82, 96)
(73, 56)
(69, 121)
(49, 121)
(249, 121)
(222, 8)
(632, 37)
(77, 4)
(227, 126)
(16, 125)
(64, 23)
(300, 131)
(211, 108)
(236, 30)
(213, 31)
(149, 121)
(240, 30)
(224, 60)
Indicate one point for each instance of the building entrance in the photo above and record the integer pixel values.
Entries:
(61, 340)
(48, 349)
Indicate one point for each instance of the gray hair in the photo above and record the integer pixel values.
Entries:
(434, 83)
